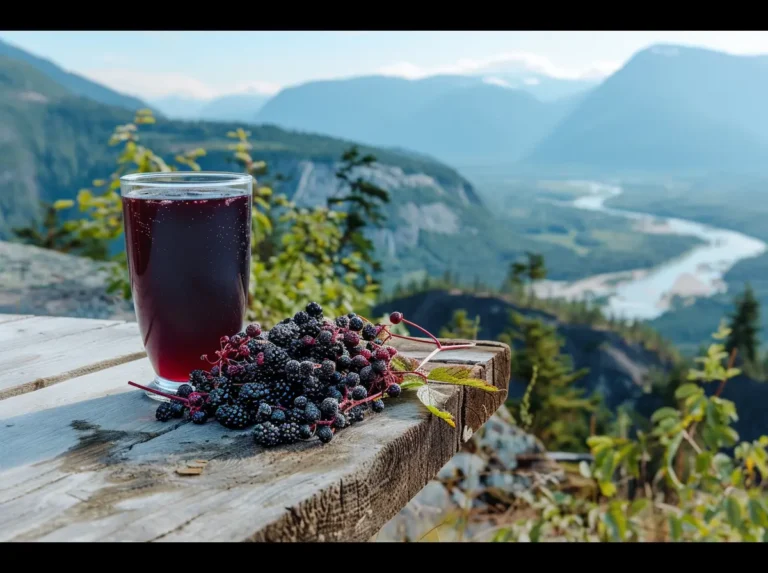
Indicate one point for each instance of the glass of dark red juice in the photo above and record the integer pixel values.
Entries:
(188, 241)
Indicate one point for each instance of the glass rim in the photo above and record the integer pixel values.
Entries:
(205, 179)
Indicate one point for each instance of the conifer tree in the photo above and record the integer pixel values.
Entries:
(461, 326)
(560, 411)
(744, 326)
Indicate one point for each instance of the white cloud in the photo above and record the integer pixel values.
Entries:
(160, 84)
(494, 81)
(507, 61)
(531, 81)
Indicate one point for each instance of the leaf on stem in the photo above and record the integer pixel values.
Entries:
(459, 376)
(424, 395)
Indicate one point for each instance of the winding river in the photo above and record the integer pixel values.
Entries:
(646, 294)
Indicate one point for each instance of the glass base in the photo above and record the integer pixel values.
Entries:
(163, 385)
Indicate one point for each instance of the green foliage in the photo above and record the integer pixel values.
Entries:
(461, 327)
(363, 202)
(312, 250)
(50, 233)
(675, 482)
(560, 412)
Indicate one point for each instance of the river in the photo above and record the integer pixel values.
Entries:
(646, 294)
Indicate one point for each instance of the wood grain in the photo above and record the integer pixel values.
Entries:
(40, 351)
(85, 460)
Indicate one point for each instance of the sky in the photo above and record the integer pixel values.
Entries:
(210, 64)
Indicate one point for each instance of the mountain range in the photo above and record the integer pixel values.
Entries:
(668, 109)
(53, 142)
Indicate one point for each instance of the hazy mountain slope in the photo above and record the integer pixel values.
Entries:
(179, 107)
(236, 107)
(446, 116)
(77, 84)
(482, 121)
(669, 108)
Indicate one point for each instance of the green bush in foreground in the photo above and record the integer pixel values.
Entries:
(688, 479)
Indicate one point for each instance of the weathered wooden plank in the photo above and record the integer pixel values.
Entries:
(13, 317)
(41, 351)
(85, 460)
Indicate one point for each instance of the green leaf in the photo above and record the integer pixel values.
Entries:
(675, 528)
(460, 377)
(733, 511)
(637, 506)
(401, 363)
(687, 390)
(670, 454)
(616, 522)
(758, 513)
(411, 381)
(663, 413)
(442, 414)
(63, 204)
(425, 396)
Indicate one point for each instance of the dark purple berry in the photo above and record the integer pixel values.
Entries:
(359, 393)
(325, 434)
(196, 400)
(370, 332)
(339, 420)
(327, 369)
(236, 340)
(328, 408)
(343, 363)
(367, 374)
(278, 417)
(356, 323)
(164, 412)
(352, 380)
(184, 391)
(314, 310)
(264, 412)
(325, 338)
(300, 402)
(301, 317)
(305, 432)
(394, 390)
(312, 413)
(253, 330)
(359, 362)
(342, 321)
(307, 368)
(177, 409)
(377, 405)
(199, 417)
(379, 366)
(351, 339)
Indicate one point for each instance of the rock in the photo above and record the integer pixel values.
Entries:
(468, 481)
(43, 282)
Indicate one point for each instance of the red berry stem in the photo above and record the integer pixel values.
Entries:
(409, 338)
(425, 331)
(159, 393)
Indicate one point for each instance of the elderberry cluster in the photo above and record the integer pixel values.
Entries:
(308, 375)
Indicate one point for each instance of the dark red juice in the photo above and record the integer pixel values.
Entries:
(189, 263)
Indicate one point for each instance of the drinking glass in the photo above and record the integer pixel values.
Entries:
(188, 242)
